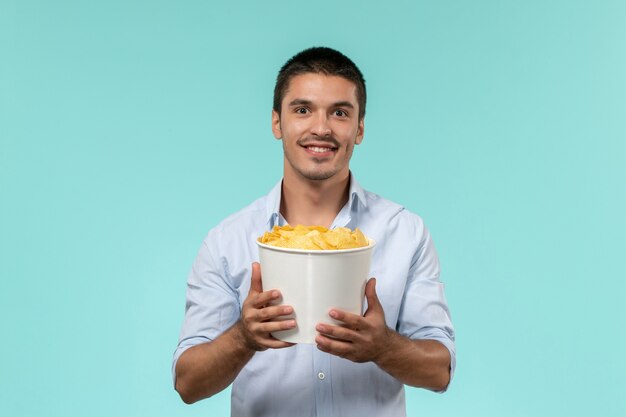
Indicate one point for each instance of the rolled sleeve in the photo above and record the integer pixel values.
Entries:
(424, 313)
(212, 305)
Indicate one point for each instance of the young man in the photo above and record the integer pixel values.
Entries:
(358, 369)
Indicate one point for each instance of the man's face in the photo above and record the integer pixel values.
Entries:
(319, 126)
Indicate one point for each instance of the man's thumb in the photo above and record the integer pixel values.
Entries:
(256, 284)
(370, 294)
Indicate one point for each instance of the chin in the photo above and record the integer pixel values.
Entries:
(318, 176)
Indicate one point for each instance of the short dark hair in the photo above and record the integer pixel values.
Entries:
(320, 60)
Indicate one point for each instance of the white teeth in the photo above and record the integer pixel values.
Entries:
(318, 149)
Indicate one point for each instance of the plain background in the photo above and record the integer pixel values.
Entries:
(129, 128)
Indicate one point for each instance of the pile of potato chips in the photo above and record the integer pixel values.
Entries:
(314, 238)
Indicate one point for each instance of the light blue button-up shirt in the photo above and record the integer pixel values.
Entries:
(302, 380)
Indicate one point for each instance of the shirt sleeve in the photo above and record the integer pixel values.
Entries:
(212, 304)
(424, 312)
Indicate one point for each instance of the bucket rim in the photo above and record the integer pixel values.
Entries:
(322, 252)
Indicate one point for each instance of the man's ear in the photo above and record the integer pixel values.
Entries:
(360, 132)
(276, 130)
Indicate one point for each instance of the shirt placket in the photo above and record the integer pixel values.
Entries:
(322, 381)
(322, 372)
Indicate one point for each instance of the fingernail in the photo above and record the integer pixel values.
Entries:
(320, 328)
(287, 310)
(333, 313)
(275, 294)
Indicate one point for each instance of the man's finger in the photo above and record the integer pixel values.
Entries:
(273, 312)
(337, 332)
(277, 344)
(352, 320)
(275, 326)
(265, 298)
(332, 346)
(256, 285)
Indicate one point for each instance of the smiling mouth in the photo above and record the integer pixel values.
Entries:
(321, 149)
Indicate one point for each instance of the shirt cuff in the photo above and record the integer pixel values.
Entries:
(182, 347)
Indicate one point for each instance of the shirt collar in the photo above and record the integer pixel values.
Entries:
(273, 205)
(356, 196)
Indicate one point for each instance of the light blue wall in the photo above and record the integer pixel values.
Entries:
(129, 128)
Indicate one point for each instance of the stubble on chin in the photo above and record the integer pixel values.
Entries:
(317, 176)
(312, 174)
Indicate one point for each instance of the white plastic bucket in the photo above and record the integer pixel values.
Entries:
(313, 282)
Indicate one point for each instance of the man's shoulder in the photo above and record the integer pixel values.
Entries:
(384, 218)
(243, 222)
(382, 208)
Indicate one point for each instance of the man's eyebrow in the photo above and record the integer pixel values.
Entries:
(305, 102)
(299, 102)
(343, 104)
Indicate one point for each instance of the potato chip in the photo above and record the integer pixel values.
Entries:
(314, 238)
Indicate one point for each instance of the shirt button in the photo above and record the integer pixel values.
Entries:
(321, 375)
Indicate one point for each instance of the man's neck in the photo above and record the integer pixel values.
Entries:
(311, 202)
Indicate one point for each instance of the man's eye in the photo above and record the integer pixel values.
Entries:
(301, 110)
(340, 113)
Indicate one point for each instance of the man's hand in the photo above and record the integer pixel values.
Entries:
(359, 339)
(208, 368)
(419, 363)
(260, 315)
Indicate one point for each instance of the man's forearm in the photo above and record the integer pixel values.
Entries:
(419, 363)
(208, 368)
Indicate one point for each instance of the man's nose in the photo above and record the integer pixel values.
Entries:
(320, 126)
